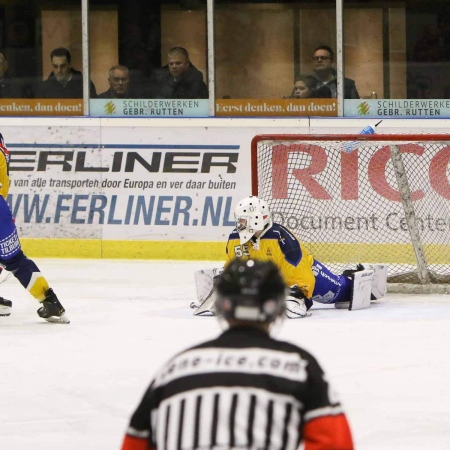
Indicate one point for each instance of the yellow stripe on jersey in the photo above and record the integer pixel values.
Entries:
(4, 178)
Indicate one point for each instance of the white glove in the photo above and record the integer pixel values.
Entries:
(296, 308)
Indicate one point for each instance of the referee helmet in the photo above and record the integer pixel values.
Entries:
(251, 291)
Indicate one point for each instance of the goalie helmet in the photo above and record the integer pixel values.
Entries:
(252, 214)
(251, 291)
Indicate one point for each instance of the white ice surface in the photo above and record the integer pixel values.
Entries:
(73, 387)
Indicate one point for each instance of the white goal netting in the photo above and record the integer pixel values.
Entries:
(382, 199)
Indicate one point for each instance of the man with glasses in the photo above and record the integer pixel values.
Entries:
(326, 76)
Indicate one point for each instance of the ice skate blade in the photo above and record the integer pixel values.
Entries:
(57, 319)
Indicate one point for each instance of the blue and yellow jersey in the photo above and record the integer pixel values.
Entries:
(281, 247)
(4, 169)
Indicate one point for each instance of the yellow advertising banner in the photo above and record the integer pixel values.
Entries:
(276, 107)
(41, 107)
(224, 107)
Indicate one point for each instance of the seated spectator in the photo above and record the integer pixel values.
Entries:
(119, 84)
(179, 78)
(326, 76)
(9, 87)
(305, 87)
(64, 81)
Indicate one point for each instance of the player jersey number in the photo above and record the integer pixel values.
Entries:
(241, 250)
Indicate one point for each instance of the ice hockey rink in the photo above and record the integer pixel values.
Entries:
(73, 387)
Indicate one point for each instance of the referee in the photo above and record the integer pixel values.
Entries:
(244, 389)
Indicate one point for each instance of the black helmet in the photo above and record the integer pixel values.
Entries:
(250, 290)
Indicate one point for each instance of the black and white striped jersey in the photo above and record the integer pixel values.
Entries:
(243, 390)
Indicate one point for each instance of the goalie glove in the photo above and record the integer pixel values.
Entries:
(296, 292)
(297, 304)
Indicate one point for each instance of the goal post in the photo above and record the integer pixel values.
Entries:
(363, 198)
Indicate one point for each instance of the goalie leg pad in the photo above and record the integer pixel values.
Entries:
(208, 307)
(379, 280)
(362, 288)
(361, 293)
(204, 284)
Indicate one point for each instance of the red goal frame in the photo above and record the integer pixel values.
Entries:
(429, 275)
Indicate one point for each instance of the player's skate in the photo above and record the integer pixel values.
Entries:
(5, 307)
(51, 309)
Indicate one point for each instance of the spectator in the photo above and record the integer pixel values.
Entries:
(305, 87)
(9, 88)
(244, 389)
(64, 81)
(326, 76)
(179, 78)
(119, 84)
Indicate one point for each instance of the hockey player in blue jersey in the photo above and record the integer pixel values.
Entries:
(14, 261)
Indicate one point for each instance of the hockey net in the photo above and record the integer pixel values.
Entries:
(363, 198)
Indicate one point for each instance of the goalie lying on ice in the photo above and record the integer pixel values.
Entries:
(257, 237)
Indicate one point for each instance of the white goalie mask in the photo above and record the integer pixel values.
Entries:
(252, 214)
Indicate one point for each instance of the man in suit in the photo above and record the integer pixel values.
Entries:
(326, 76)
(64, 81)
